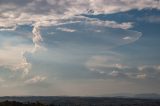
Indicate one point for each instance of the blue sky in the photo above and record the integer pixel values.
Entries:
(79, 48)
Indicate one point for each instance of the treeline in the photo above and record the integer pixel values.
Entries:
(15, 103)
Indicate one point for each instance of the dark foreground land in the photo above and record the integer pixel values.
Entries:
(76, 101)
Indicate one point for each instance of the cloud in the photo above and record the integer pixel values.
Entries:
(94, 5)
(1, 80)
(13, 58)
(89, 37)
(24, 66)
(18, 12)
(37, 38)
(66, 29)
(114, 73)
(150, 19)
(60, 14)
(15, 2)
(12, 28)
(127, 38)
(111, 24)
(125, 5)
(110, 60)
(51, 15)
(95, 22)
(35, 79)
(141, 76)
(112, 67)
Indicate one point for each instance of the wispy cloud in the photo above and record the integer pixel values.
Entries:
(111, 24)
(13, 58)
(24, 66)
(37, 38)
(150, 19)
(12, 28)
(66, 29)
(112, 67)
(35, 79)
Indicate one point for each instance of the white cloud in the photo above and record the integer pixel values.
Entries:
(98, 6)
(127, 38)
(45, 21)
(35, 79)
(141, 76)
(112, 67)
(13, 58)
(37, 38)
(114, 73)
(113, 6)
(97, 62)
(66, 29)
(37, 11)
(111, 24)
(146, 67)
(24, 66)
(158, 67)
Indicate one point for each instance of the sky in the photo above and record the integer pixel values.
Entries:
(79, 47)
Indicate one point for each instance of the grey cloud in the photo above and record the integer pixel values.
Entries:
(38, 7)
(75, 7)
(15, 2)
(43, 10)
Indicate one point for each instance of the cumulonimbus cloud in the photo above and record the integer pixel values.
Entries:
(44, 13)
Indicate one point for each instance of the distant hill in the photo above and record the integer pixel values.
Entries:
(129, 95)
(148, 95)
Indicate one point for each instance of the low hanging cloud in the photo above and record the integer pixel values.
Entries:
(112, 67)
